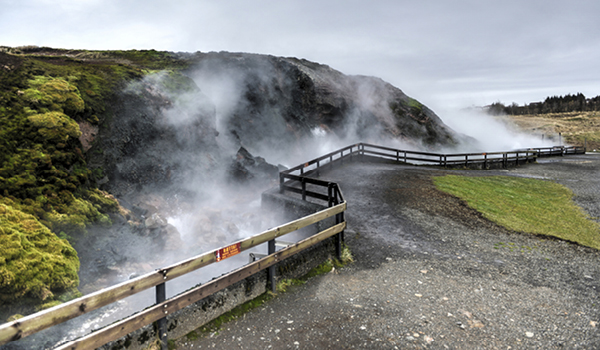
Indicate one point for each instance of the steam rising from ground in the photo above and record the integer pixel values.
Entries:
(204, 207)
(243, 102)
(493, 134)
(245, 107)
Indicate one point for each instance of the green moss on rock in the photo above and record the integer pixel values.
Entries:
(55, 126)
(33, 261)
(55, 94)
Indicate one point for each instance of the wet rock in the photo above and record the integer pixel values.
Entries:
(246, 167)
(172, 238)
(155, 221)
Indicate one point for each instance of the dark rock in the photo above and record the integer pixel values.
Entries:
(246, 167)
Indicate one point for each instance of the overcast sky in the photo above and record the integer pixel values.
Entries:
(445, 53)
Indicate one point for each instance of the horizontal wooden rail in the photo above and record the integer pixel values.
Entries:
(322, 158)
(36, 322)
(174, 304)
(308, 180)
(403, 158)
(394, 150)
(311, 194)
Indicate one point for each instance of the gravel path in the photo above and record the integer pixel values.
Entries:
(432, 273)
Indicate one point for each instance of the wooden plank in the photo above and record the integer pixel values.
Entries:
(135, 322)
(399, 150)
(308, 193)
(324, 157)
(393, 156)
(308, 180)
(34, 323)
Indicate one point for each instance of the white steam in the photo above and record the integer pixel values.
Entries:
(493, 134)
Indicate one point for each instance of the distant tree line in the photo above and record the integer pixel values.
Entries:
(554, 104)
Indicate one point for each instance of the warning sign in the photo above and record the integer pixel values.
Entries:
(229, 251)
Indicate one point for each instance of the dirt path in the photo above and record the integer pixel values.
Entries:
(431, 273)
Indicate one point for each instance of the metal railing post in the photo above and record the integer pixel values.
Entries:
(338, 219)
(303, 189)
(161, 295)
(271, 269)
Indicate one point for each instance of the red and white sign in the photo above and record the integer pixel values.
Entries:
(228, 251)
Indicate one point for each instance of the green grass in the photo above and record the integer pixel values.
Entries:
(525, 205)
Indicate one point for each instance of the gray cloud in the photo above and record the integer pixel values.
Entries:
(444, 53)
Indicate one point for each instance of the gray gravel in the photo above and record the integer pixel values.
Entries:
(432, 273)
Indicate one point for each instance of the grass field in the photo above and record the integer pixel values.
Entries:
(575, 127)
(525, 205)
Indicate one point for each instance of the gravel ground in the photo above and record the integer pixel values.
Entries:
(432, 273)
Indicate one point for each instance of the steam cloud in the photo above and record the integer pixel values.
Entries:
(493, 134)
(243, 102)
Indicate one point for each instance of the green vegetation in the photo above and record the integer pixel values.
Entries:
(45, 95)
(34, 262)
(416, 107)
(552, 104)
(525, 205)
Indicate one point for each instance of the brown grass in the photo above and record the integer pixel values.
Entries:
(575, 127)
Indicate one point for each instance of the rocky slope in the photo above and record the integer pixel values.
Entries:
(171, 136)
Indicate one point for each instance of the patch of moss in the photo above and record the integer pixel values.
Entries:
(55, 126)
(54, 94)
(48, 305)
(33, 261)
(14, 317)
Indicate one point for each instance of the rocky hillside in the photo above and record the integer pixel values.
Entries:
(93, 143)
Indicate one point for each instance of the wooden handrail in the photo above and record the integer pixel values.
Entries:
(36, 322)
(158, 311)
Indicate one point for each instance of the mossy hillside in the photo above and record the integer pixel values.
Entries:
(43, 170)
(33, 261)
(44, 176)
(43, 96)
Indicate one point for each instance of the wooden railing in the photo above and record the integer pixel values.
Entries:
(450, 160)
(466, 159)
(34, 323)
(295, 180)
(559, 150)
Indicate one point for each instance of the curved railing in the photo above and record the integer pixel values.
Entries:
(295, 180)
